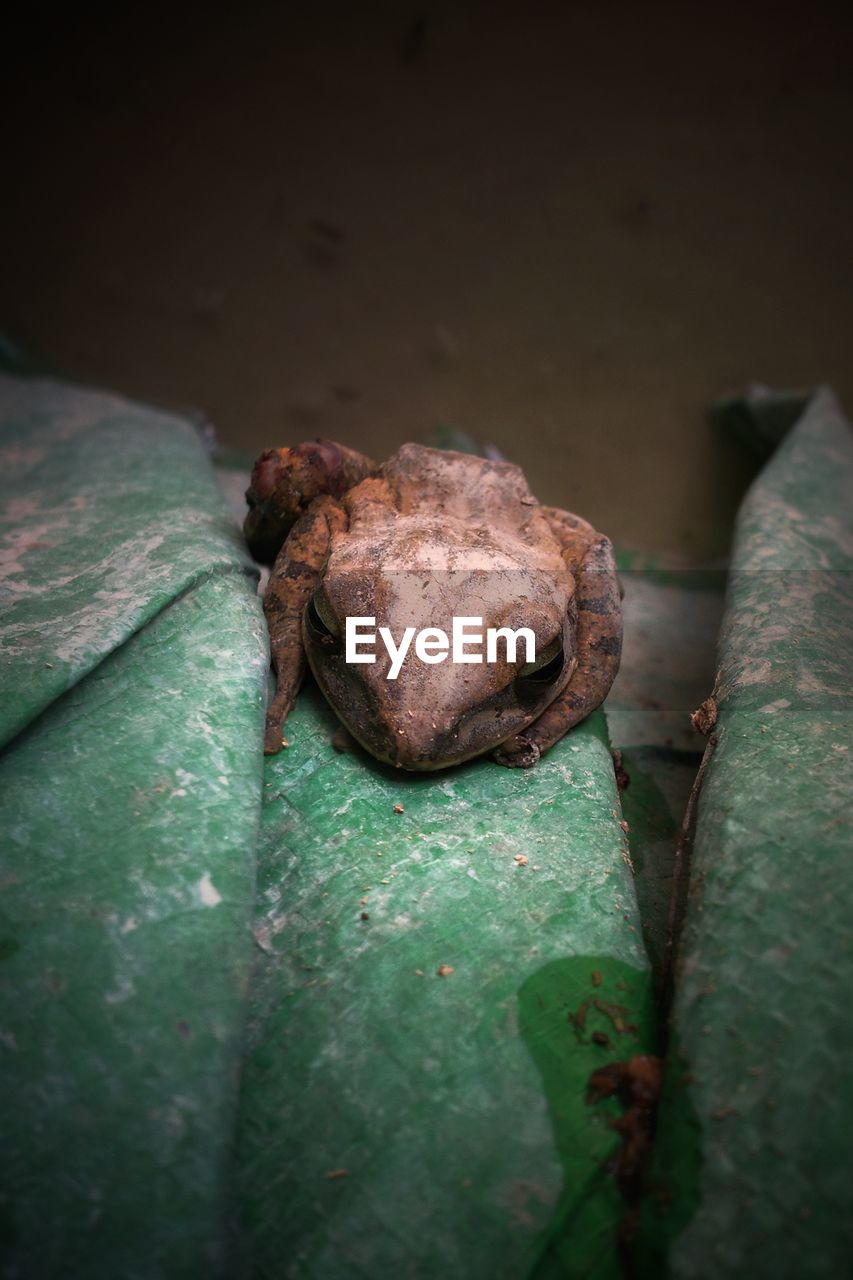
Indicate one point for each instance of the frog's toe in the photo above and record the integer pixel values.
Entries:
(274, 739)
(517, 753)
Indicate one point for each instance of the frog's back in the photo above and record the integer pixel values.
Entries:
(460, 486)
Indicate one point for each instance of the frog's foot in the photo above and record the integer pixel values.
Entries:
(343, 742)
(517, 753)
(294, 577)
(274, 739)
(273, 742)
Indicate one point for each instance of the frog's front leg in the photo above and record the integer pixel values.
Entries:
(297, 570)
(599, 641)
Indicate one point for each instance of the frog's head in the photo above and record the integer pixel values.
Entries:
(440, 712)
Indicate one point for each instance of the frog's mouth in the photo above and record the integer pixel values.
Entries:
(442, 753)
(415, 738)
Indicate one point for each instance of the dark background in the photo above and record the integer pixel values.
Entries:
(562, 227)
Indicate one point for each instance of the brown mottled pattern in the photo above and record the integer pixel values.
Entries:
(589, 556)
(295, 574)
(285, 482)
(436, 534)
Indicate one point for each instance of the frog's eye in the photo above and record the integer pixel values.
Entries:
(321, 621)
(547, 667)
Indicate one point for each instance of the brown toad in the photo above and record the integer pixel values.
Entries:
(429, 537)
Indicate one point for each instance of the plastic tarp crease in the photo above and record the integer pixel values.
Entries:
(356, 1041)
(397, 1122)
(751, 1176)
(131, 787)
(134, 656)
(109, 512)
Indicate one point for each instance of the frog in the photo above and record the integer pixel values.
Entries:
(429, 536)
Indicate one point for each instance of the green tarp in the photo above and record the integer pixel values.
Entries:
(257, 1022)
(752, 1175)
(133, 660)
(132, 784)
(455, 1104)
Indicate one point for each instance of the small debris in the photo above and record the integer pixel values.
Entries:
(398, 808)
(520, 859)
(444, 970)
(624, 825)
(602, 1038)
(362, 902)
(596, 977)
(623, 778)
(419, 973)
(614, 1012)
(636, 1083)
(704, 717)
(578, 1020)
(365, 915)
(337, 1173)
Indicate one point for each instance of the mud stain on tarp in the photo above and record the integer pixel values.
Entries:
(613, 1003)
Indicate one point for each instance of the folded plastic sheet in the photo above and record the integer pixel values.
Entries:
(414, 1093)
(131, 777)
(752, 1175)
(443, 961)
(109, 512)
(133, 660)
(672, 619)
(395, 1120)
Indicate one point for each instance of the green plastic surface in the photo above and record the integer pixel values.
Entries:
(131, 783)
(752, 1174)
(391, 1121)
(108, 511)
(456, 1104)
(134, 653)
(672, 619)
